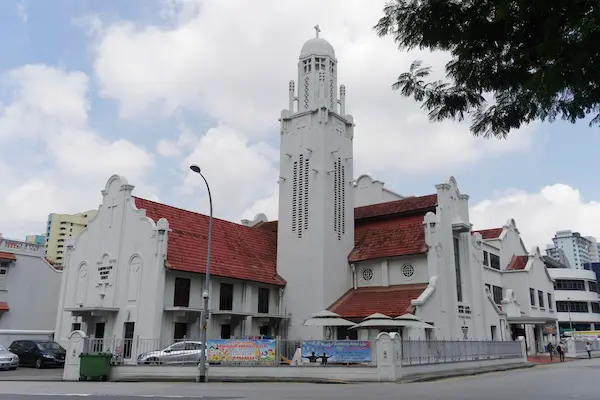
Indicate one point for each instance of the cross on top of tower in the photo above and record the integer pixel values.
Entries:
(317, 29)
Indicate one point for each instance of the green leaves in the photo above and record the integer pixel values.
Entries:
(538, 60)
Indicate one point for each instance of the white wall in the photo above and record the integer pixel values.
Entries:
(32, 290)
(122, 237)
(368, 191)
(536, 277)
(388, 271)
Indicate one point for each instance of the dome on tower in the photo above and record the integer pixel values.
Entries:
(318, 47)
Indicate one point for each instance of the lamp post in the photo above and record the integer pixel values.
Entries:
(204, 315)
(569, 311)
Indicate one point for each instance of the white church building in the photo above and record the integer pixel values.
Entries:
(349, 246)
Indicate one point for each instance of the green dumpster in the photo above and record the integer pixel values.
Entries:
(94, 366)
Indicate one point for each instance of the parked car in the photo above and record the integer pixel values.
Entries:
(185, 352)
(39, 353)
(8, 360)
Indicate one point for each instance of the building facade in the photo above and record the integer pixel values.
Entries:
(519, 287)
(577, 298)
(37, 239)
(59, 229)
(572, 249)
(348, 246)
(29, 291)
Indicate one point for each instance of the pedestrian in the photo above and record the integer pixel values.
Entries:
(560, 349)
(588, 348)
(550, 349)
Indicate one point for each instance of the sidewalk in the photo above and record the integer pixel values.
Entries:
(434, 376)
(545, 359)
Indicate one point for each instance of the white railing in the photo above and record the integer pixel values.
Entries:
(20, 247)
(442, 351)
(580, 345)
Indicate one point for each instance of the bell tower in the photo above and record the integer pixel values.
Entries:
(316, 200)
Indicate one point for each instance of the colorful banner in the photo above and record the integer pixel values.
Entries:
(239, 350)
(338, 351)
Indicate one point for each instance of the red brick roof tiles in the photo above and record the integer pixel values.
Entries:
(490, 233)
(4, 307)
(406, 205)
(389, 238)
(517, 263)
(237, 251)
(7, 256)
(392, 301)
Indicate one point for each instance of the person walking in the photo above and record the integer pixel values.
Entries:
(550, 349)
(560, 349)
(588, 348)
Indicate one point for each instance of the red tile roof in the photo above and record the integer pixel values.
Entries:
(392, 301)
(406, 205)
(4, 307)
(517, 263)
(237, 251)
(7, 256)
(389, 238)
(490, 233)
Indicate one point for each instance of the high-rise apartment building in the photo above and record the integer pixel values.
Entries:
(572, 249)
(37, 239)
(60, 228)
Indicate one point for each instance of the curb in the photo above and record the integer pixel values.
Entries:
(245, 380)
(458, 374)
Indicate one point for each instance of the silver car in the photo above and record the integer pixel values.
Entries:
(185, 352)
(8, 360)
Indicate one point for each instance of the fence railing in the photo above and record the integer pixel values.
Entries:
(283, 352)
(239, 352)
(580, 345)
(442, 351)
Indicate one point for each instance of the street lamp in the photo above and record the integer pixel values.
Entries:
(204, 315)
(569, 311)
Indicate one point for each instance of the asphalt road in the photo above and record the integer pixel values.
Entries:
(575, 380)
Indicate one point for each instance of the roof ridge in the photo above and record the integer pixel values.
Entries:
(192, 212)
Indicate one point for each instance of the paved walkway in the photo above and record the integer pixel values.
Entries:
(545, 359)
(573, 380)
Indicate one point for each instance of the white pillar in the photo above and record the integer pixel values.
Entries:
(74, 349)
(389, 358)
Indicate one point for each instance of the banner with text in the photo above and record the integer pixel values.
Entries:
(238, 350)
(338, 351)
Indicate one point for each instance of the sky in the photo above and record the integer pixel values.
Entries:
(144, 88)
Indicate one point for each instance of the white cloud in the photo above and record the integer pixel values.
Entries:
(22, 12)
(237, 171)
(539, 215)
(237, 74)
(62, 164)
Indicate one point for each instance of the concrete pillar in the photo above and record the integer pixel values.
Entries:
(389, 359)
(74, 349)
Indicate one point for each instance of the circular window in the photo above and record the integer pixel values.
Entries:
(408, 270)
(367, 274)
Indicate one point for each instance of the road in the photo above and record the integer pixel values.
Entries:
(575, 380)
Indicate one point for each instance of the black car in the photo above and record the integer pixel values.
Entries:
(38, 353)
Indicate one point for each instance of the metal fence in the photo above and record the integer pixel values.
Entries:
(280, 352)
(187, 351)
(442, 351)
(580, 345)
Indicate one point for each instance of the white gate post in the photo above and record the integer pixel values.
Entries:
(387, 358)
(74, 349)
